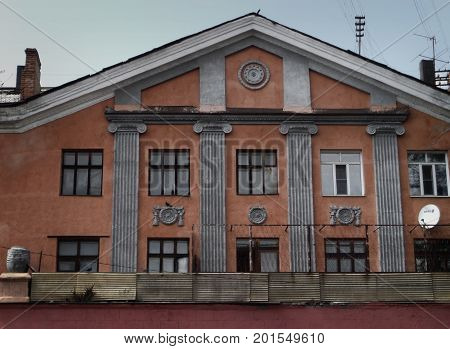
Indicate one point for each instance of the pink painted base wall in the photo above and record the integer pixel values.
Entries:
(204, 316)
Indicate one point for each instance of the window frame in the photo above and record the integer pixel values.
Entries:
(78, 257)
(256, 253)
(352, 255)
(174, 255)
(347, 171)
(420, 164)
(162, 167)
(431, 253)
(250, 167)
(75, 167)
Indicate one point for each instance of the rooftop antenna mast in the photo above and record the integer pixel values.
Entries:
(359, 30)
(441, 76)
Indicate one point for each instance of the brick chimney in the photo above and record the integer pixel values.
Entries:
(427, 72)
(30, 81)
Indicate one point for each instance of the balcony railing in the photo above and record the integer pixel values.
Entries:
(303, 288)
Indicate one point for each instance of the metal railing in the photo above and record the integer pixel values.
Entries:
(306, 288)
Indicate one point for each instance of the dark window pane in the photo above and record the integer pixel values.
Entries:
(268, 243)
(327, 180)
(436, 157)
(243, 182)
(341, 172)
(360, 265)
(427, 178)
(256, 158)
(168, 246)
(68, 248)
(169, 158)
(182, 265)
(169, 182)
(154, 246)
(359, 247)
(168, 266)
(183, 158)
(243, 158)
(345, 246)
(69, 159)
(346, 265)
(271, 180)
(155, 158)
(153, 265)
(89, 248)
(183, 182)
(155, 182)
(88, 266)
(441, 180)
(331, 246)
(341, 187)
(83, 159)
(414, 180)
(416, 157)
(269, 261)
(82, 182)
(96, 182)
(66, 266)
(68, 182)
(97, 159)
(182, 247)
(270, 158)
(332, 265)
(257, 181)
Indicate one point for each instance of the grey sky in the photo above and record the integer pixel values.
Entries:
(103, 33)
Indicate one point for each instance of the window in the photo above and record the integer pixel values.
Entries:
(82, 172)
(169, 172)
(428, 173)
(168, 255)
(77, 255)
(346, 255)
(341, 173)
(432, 255)
(257, 172)
(257, 255)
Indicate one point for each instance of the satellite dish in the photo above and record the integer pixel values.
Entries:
(429, 216)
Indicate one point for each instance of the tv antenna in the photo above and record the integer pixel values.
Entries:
(359, 30)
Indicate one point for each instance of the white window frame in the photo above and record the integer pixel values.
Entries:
(420, 164)
(346, 163)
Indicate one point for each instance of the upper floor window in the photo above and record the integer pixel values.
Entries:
(168, 255)
(346, 255)
(82, 172)
(257, 172)
(257, 255)
(169, 172)
(428, 173)
(341, 173)
(432, 255)
(79, 254)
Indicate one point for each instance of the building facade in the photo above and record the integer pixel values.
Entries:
(248, 147)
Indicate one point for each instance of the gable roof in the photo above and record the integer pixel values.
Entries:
(100, 86)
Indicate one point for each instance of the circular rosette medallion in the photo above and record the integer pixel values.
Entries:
(257, 215)
(345, 215)
(168, 215)
(254, 75)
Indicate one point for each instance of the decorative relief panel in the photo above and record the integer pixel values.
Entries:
(168, 215)
(254, 75)
(345, 215)
(257, 215)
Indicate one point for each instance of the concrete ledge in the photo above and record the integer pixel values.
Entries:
(14, 287)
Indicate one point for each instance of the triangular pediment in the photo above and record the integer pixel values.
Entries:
(209, 50)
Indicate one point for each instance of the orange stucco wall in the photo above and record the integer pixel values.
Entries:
(183, 90)
(30, 178)
(327, 93)
(238, 96)
(335, 137)
(422, 133)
